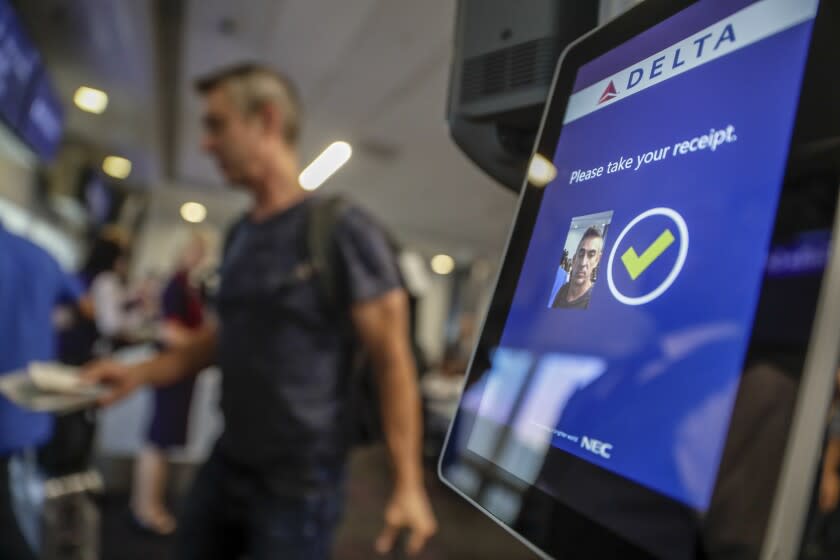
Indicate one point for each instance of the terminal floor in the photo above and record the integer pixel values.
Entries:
(464, 533)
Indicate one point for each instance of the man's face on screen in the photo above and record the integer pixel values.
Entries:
(586, 258)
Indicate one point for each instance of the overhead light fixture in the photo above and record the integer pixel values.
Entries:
(91, 99)
(117, 167)
(193, 212)
(325, 165)
(541, 171)
(443, 264)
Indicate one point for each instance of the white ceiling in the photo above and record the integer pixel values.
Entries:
(371, 72)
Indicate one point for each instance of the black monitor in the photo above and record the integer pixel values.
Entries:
(653, 374)
(503, 61)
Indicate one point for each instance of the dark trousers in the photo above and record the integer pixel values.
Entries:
(229, 514)
(12, 544)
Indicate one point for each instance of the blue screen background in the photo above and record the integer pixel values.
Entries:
(673, 365)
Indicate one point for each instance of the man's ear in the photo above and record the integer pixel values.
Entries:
(271, 119)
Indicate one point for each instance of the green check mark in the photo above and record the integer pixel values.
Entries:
(636, 264)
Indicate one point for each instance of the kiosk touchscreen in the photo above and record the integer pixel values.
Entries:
(653, 374)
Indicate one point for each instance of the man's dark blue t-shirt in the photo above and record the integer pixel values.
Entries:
(284, 351)
(31, 285)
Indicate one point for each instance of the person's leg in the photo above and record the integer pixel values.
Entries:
(211, 525)
(167, 429)
(13, 545)
(148, 491)
(294, 528)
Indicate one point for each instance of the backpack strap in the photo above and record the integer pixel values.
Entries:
(321, 248)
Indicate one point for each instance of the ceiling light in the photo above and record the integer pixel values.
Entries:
(443, 264)
(325, 165)
(193, 212)
(90, 99)
(117, 167)
(541, 171)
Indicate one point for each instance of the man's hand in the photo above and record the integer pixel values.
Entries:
(382, 326)
(120, 379)
(407, 509)
(829, 492)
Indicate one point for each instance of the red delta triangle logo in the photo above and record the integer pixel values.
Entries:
(608, 94)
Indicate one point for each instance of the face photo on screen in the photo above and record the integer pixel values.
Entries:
(578, 271)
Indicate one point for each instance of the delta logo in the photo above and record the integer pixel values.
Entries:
(669, 61)
(608, 94)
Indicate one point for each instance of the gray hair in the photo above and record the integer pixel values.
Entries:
(252, 86)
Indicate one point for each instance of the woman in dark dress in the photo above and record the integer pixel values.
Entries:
(182, 314)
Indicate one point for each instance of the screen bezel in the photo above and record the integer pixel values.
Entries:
(801, 456)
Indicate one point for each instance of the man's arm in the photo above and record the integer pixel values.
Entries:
(191, 357)
(382, 325)
(174, 334)
(164, 369)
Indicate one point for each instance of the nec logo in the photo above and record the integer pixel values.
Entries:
(670, 61)
(596, 447)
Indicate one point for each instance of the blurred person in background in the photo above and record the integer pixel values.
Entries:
(829, 490)
(104, 277)
(821, 536)
(119, 315)
(31, 287)
(182, 316)
(273, 486)
(829, 493)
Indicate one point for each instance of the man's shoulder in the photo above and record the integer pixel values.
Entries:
(355, 221)
(345, 208)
